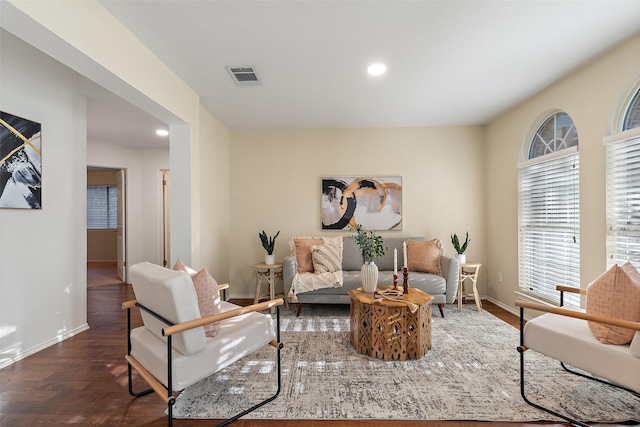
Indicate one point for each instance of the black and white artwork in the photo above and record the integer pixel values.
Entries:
(373, 203)
(20, 163)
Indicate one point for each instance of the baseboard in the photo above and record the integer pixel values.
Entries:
(33, 350)
(512, 310)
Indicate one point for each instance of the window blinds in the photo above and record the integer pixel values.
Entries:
(549, 226)
(623, 201)
(102, 207)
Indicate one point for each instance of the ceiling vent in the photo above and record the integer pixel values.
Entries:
(244, 76)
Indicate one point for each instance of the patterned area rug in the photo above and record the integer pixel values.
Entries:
(471, 373)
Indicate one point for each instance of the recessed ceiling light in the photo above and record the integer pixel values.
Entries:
(162, 132)
(377, 69)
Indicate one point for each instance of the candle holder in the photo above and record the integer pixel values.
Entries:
(405, 283)
(395, 282)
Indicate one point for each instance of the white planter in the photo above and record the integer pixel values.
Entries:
(462, 258)
(369, 274)
(269, 259)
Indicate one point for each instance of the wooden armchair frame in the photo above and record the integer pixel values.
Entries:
(570, 313)
(166, 393)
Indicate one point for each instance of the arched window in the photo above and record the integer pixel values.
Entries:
(549, 211)
(623, 187)
(632, 115)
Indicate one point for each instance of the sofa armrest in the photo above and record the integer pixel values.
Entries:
(288, 271)
(450, 267)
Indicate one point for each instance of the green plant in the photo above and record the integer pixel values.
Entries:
(371, 245)
(456, 243)
(268, 243)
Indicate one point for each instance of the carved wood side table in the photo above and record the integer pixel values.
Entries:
(387, 329)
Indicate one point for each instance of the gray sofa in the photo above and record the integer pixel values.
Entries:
(443, 288)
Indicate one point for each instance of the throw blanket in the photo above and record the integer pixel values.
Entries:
(307, 282)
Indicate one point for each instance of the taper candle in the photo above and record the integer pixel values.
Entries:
(404, 251)
(395, 261)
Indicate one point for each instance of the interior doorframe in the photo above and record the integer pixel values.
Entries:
(126, 215)
(165, 208)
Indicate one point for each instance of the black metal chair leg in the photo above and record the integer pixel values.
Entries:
(134, 393)
(270, 399)
(521, 350)
(591, 377)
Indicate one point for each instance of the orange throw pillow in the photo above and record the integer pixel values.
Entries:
(303, 247)
(208, 295)
(615, 294)
(424, 256)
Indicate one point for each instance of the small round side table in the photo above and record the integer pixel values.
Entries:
(269, 274)
(469, 270)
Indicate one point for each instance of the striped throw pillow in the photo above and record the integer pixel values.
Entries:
(326, 258)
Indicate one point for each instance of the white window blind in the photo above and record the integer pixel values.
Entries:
(549, 225)
(623, 201)
(102, 207)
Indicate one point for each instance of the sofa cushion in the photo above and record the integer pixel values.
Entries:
(302, 250)
(327, 258)
(172, 294)
(424, 256)
(207, 293)
(616, 293)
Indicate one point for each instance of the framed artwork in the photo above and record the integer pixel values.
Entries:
(20, 163)
(374, 203)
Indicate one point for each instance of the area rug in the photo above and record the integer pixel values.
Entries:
(471, 373)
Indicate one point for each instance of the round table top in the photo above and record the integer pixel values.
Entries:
(263, 265)
(471, 265)
(415, 296)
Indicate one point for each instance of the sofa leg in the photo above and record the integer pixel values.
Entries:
(441, 306)
(299, 309)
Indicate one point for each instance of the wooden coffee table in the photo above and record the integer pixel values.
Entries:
(387, 329)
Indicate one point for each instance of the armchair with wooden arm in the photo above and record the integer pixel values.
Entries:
(564, 334)
(170, 351)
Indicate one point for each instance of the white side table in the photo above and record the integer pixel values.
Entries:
(269, 274)
(469, 270)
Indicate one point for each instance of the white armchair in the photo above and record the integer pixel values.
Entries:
(563, 334)
(170, 351)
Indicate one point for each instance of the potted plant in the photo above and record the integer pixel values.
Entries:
(268, 243)
(460, 248)
(371, 246)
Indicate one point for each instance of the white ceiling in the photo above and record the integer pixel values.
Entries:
(449, 62)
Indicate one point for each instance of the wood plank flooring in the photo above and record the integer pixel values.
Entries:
(83, 380)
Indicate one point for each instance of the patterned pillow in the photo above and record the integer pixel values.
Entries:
(208, 295)
(424, 256)
(615, 294)
(302, 247)
(327, 258)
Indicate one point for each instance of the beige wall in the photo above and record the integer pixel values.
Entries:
(214, 196)
(275, 182)
(590, 96)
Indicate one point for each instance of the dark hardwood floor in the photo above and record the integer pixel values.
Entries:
(83, 380)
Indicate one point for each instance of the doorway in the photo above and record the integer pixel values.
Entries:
(166, 218)
(106, 223)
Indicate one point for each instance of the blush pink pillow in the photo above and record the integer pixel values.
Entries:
(302, 247)
(207, 293)
(424, 256)
(615, 294)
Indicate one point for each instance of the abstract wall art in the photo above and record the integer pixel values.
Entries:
(20, 163)
(374, 203)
